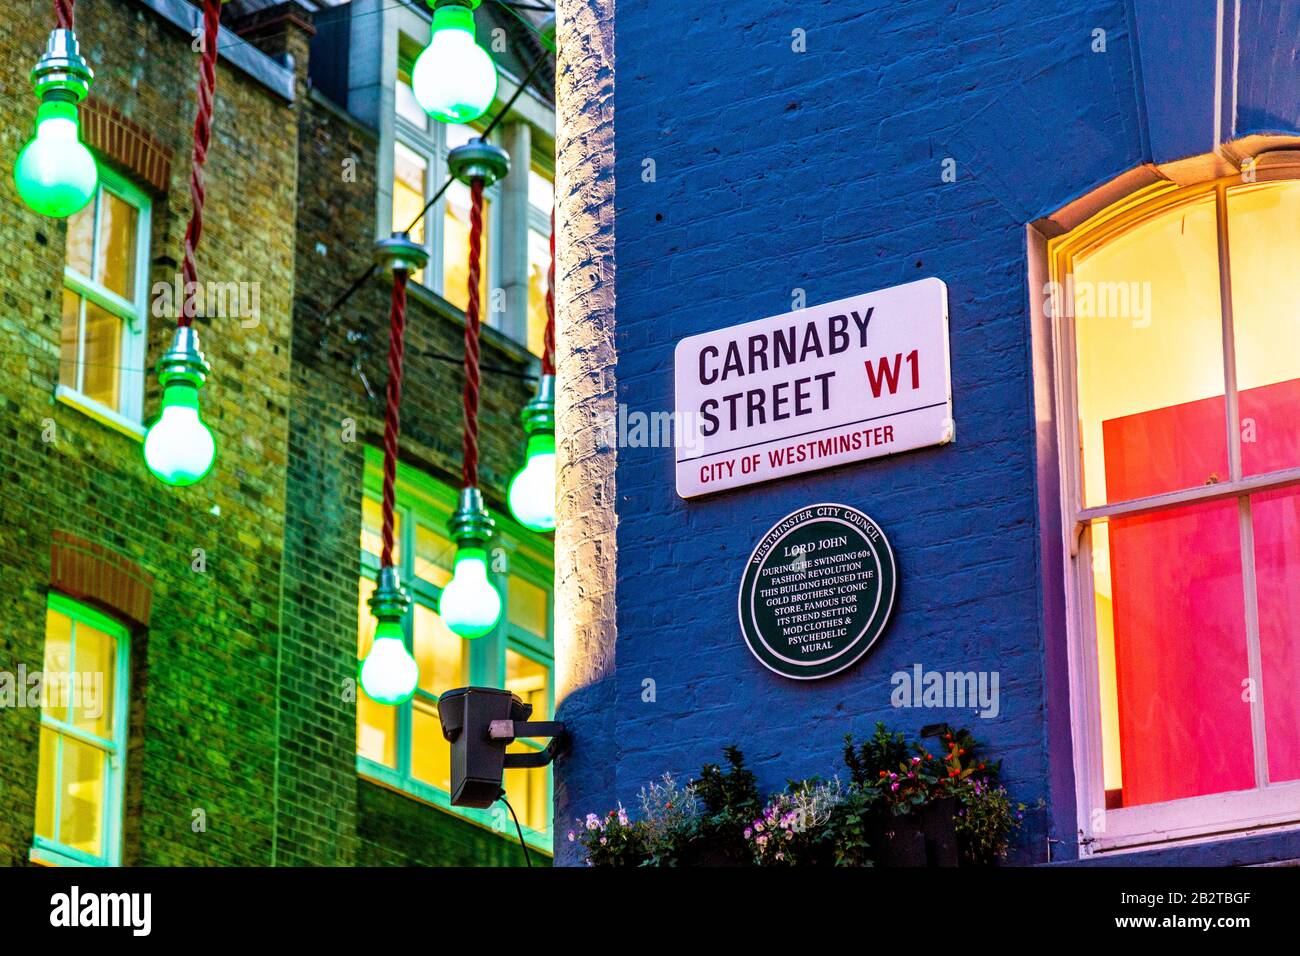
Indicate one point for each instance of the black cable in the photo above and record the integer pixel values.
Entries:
(523, 85)
(514, 5)
(460, 360)
(518, 828)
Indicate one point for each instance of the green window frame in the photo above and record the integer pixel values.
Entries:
(61, 731)
(528, 558)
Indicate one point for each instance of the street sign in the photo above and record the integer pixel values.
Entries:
(859, 378)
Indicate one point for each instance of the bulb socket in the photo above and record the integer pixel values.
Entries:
(538, 415)
(468, 4)
(183, 363)
(479, 159)
(62, 69)
(389, 602)
(400, 251)
(470, 525)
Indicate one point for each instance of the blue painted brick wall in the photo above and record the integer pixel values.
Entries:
(821, 171)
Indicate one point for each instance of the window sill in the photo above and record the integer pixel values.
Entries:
(100, 413)
(390, 779)
(1184, 822)
(48, 854)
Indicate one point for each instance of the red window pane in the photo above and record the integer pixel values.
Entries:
(1176, 614)
(1275, 518)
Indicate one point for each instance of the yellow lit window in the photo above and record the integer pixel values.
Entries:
(82, 741)
(403, 746)
(455, 249)
(1180, 314)
(104, 301)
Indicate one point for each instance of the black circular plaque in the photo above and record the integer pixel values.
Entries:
(817, 591)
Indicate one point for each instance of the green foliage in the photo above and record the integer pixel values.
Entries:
(611, 840)
(720, 817)
(852, 823)
(882, 752)
(729, 799)
(729, 793)
(673, 816)
(985, 822)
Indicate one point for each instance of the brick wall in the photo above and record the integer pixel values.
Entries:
(203, 687)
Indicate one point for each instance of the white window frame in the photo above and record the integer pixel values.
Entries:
(538, 221)
(51, 852)
(133, 313)
(1191, 818)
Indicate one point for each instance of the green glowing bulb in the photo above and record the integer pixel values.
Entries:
(55, 173)
(179, 448)
(470, 605)
(389, 673)
(532, 492)
(454, 79)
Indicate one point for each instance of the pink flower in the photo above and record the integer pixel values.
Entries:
(571, 836)
(604, 840)
(749, 833)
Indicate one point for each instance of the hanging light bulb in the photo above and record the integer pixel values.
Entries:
(470, 605)
(179, 448)
(55, 173)
(454, 79)
(389, 673)
(532, 491)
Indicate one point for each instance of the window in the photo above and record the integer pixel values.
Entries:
(403, 746)
(419, 170)
(105, 290)
(541, 196)
(516, 217)
(83, 737)
(1178, 336)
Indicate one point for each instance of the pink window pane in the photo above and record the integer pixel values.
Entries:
(1178, 611)
(1276, 520)
(1270, 427)
(1178, 618)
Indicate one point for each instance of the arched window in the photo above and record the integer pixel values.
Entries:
(1176, 318)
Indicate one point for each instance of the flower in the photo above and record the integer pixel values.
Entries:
(749, 833)
(571, 836)
(604, 840)
(592, 821)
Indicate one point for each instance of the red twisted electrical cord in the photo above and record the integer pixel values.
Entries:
(392, 422)
(548, 340)
(63, 14)
(469, 468)
(202, 139)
